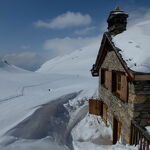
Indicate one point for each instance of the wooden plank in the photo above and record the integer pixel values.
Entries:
(108, 80)
(94, 106)
(142, 77)
(105, 112)
(119, 130)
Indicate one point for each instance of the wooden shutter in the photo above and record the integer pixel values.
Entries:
(97, 107)
(124, 88)
(94, 106)
(119, 130)
(105, 112)
(108, 80)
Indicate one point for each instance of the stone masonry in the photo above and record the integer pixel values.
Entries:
(138, 105)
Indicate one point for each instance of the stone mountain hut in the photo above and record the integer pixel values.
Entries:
(123, 68)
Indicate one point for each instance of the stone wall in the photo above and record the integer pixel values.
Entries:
(142, 102)
(123, 111)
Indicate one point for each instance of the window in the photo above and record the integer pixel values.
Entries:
(102, 76)
(114, 81)
(120, 85)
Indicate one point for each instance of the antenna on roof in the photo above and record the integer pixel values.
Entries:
(117, 8)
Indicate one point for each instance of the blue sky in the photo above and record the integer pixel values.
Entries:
(33, 31)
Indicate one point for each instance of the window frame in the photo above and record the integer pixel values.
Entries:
(117, 87)
(103, 76)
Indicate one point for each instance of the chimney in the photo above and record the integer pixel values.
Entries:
(117, 21)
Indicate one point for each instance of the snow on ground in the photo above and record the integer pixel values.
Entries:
(134, 44)
(91, 146)
(92, 134)
(92, 129)
(42, 144)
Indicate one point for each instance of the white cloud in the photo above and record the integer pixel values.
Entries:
(85, 30)
(68, 19)
(61, 46)
(25, 47)
(139, 15)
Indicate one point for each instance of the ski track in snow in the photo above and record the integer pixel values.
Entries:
(21, 92)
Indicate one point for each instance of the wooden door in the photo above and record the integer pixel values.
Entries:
(116, 130)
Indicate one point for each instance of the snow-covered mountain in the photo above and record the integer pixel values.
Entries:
(39, 109)
(77, 63)
(6, 67)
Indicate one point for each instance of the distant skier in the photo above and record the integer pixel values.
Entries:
(49, 90)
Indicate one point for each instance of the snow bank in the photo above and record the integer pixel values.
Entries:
(134, 45)
(91, 146)
(92, 128)
(92, 134)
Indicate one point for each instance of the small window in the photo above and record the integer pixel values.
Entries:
(120, 85)
(103, 76)
(114, 81)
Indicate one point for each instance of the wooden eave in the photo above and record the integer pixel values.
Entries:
(100, 58)
(142, 76)
(102, 53)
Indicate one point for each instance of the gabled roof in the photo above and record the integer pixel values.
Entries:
(107, 41)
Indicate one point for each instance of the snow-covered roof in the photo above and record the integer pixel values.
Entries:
(135, 46)
(118, 12)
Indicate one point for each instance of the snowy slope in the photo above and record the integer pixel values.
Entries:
(77, 63)
(6, 67)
